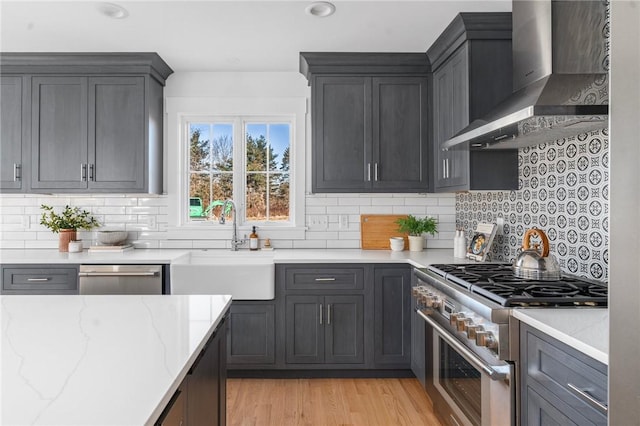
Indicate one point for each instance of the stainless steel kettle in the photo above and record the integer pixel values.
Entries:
(535, 262)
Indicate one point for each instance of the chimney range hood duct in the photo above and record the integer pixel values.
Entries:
(560, 65)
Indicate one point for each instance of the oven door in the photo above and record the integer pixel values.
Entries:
(465, 389)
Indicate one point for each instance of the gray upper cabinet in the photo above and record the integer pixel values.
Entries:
(369, 121)
(472, 73)
(93, 122)
(11, 133)
(59, 133)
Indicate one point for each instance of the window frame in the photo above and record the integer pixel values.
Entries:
(273, 110)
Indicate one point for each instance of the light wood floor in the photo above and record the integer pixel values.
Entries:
(330, 402)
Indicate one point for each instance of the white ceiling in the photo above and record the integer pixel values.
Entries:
(229, 35)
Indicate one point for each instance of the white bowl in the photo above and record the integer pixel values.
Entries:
(396, 243)
(111, 238)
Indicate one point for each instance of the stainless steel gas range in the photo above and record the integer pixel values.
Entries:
(472, 339)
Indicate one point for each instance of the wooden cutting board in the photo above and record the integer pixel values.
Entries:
(376, 229)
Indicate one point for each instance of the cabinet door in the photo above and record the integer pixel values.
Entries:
(304, 333)
(59, 133)
(451, 114)
(344, 329)
(11, 132)
(400, 134)
(341, 134)
(251, 338)
(206, 383)
(392, 321)
(116, 133)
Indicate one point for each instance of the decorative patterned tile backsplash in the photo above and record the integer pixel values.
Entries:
(564, 190)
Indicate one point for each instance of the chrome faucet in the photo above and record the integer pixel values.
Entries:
(235, 241)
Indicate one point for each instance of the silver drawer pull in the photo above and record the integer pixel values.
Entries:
(584, 394)
(326, 279)
(117, 274)
(37, 279)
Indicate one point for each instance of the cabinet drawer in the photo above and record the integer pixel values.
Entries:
(324, 278)
(46, 279)
(566, 373)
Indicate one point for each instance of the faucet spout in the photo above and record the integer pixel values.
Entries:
(235, 241)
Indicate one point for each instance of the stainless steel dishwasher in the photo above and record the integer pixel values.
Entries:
(121, 279)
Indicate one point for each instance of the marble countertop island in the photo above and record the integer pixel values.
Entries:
(99, 360)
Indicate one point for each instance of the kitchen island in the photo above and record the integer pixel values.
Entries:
(100, 360)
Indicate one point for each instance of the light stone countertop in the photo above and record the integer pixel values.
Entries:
(99, 360)
(584, 329)
(593, 340)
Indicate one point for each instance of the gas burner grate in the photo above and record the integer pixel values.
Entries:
(498, 283)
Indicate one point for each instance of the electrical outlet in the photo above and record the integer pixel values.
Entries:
(318, 221)
(344, 221)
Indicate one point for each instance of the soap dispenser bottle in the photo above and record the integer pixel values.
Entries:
(253, 240)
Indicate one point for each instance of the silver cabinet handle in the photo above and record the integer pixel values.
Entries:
(584, 394)
(326, 279)
(369, 172)
(444, 168)
(16, 172)
(321, 314)
(448, 174)
(83, 172)
(37, 279)
(117, 274)
(375, 172)
(91, 177)
(329, 314)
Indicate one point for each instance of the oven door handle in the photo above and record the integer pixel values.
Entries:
(475, 360)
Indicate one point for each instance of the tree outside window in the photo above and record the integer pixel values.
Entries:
(265, 172)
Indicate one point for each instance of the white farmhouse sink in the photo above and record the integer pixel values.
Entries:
(245, 275)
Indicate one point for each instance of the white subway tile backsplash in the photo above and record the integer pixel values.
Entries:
(147, 218)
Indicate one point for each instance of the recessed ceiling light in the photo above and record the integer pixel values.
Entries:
(321, 9)
(113, 10)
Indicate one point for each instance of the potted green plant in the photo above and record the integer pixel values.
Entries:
(416, 227)
(67, 223)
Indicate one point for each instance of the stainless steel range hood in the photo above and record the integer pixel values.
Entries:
(560, 65)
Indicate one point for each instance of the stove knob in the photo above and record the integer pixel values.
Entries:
(454, 317)
(473, 329)
(436, 302)
(463, 323)
(487, 339)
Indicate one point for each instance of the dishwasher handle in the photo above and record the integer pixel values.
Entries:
(118, 274)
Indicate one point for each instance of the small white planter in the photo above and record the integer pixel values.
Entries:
(416, 243)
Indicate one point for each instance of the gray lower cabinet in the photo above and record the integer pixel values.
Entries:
(324, 329)
(39, 279)
(559, 384)
(392, 316)
(82, 122)
(251, 342)
(12, 133)
(471, 63)
(370, 115)
(201, 397)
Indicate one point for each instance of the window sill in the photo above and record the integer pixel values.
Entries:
(204, 232)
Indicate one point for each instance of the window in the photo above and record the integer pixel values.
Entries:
(247, 160)
(210, 158)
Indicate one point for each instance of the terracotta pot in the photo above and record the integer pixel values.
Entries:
(416, 243)
(66, 235)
